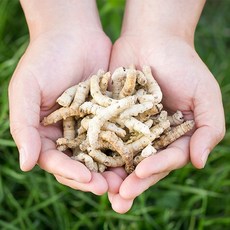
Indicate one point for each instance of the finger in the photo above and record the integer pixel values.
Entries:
(210, 123)
(56, 162)
(133, 186)
(173, 157)
(24, 103)
(202, 142)
(113, 180)
(119, 204)
(97, 184)
(120, 171)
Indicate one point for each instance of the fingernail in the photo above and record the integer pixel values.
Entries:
(22, 157)
(204, 157)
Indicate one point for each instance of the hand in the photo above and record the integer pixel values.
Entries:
(187, 85)
(63, 51)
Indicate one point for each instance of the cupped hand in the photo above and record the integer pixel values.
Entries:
(187, 85)
(54, 61)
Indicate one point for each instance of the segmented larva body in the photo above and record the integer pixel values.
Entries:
(116, 127)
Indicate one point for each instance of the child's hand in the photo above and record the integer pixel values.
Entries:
(66, 46)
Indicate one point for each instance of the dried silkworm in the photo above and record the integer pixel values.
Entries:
(116, 128)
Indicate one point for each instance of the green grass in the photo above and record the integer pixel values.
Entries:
(187, 199)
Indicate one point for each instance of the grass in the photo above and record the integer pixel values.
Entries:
(187, 199)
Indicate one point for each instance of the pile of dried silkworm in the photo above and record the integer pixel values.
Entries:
(117, 127)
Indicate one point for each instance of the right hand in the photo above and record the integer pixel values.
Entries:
(159, 38)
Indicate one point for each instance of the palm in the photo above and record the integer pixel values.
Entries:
(61, 62)
(174, 67)
(183, 77)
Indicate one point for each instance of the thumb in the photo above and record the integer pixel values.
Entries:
(203, 141)
(24, 105)
(210, 122)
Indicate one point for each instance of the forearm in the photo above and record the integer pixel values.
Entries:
(179, 17)
(50, 14)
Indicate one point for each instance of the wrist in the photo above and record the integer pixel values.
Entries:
(162, 18)
(59, 15)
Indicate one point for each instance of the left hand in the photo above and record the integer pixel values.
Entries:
(187, 85)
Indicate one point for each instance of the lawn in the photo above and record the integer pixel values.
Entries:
(187, 199)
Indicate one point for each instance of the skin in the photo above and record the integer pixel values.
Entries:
(62, 37)
(152, 34)
(185, 80)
